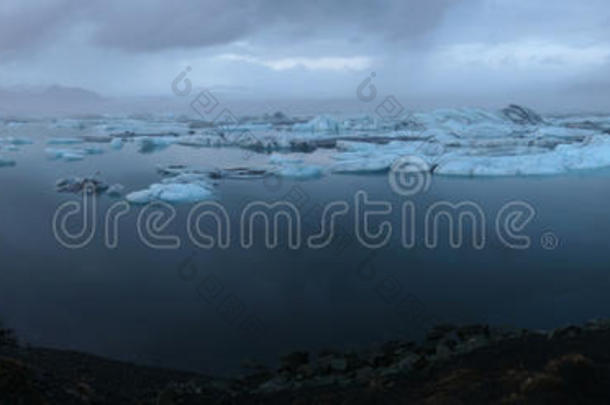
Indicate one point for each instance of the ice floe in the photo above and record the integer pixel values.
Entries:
(149, 144)
(321, 123)
(72, 154)
(117, 144)
(300, 171)
(115, 191)
(564, 158)
(4, 162)
(64, 141)
(454, 141)
(15, 141)
(172, 193)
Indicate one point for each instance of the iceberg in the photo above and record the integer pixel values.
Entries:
(277, 159)
(4, 162)
(16, 141)
(150, 144)
(322, 123)
(67, 155)
(116, 144)
(300, 171)
(115, 191)
(71, 154)
(564, 158)
(364, 165)
(172, 193)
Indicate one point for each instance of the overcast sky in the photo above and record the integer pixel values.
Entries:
(471, 50)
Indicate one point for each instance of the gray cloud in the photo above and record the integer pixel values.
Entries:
(153, 25)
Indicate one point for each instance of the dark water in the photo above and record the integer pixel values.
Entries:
(208, 310)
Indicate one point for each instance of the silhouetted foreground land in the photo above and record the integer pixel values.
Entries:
(454, 365)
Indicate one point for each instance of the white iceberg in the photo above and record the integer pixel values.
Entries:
(116, 144)
(300, 171)
(322, 123)
(116, 190)
(172, 193)
(564, 158)
(277, 159)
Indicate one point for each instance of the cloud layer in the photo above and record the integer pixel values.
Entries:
(435, 49)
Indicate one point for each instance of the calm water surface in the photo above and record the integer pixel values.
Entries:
(208, 310)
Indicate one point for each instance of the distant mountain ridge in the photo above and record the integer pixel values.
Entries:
(47, 99)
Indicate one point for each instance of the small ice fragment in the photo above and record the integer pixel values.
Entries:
(68, 155)
(6, 162)
(64, 141)
(16, 141)
(282, 160)
(364, 165)
(300, 171)
(93, 150)
(116, 144)
(149, 144)
(116, 190)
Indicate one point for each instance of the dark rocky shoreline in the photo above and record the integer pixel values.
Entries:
(453, 365)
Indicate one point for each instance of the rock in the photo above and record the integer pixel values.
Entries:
(574, 369)
(78, 184)
(305, 371)
(598, 324)
(468, 331)
(439, 331)
(541, 383)
(443, 351)
(364, 373)
(276, 384)
(294, 360)
(407, 363)
(569, 332)
(338, 364)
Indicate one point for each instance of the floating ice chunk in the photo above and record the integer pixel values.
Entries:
(16, 141)
(116, 144)
(276, 159)
(115, 191)
(172, 193)
(364, 165)
(300, 171)
(365, 123)
(4, 162)
(64, 141)
(149, 144)
(321, 123)
(68, 155)
(12, 148)
(92, 150)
